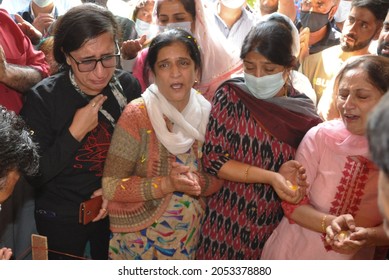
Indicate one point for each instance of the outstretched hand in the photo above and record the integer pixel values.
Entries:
(344, 236)
(130, 48)
(294, 172)
(291, 182)
(29, 30)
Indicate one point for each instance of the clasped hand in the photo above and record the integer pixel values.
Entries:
(182, 180)
(344, 236)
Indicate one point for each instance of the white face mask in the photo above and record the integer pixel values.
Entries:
(233, 4)
(264, 87)
(342, 11)
(145, 28)
(185, 25)
(42, 3)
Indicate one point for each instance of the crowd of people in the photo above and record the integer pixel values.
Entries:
(206, 129)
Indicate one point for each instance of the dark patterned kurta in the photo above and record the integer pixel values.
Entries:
(240, 217)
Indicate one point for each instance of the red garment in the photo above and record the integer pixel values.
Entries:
(18, 50)
(286, 125)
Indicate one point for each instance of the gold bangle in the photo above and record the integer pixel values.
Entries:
(323, 223)
(246, 173)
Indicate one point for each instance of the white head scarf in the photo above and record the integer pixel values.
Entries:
(218, 61)
(295, 33)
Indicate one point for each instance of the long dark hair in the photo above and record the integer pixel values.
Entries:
(272, 39)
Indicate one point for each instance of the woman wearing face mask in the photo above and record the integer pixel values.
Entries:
(142, 16)
(255, 126)
(193, 17)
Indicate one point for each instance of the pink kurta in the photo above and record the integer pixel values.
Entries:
(343, 180)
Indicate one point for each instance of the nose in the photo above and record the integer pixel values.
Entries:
(259, 73)
(352, 28)
(99, 69)
(385, 36)
(349, 102)
(175, 70)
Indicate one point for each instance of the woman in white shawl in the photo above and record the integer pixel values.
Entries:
(153, 177)
(192, 16)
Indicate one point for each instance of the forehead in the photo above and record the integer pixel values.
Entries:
(172, 51)
(362, 14)
(314, 3)
(356, 79)
(166, 7)
(355, 74)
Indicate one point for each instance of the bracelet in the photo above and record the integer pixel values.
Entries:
(246, 173)
(323, 223)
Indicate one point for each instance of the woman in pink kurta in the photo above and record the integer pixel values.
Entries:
(342, 176)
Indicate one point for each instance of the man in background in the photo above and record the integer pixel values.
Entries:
(383, 40)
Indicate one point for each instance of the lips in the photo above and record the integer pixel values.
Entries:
(384, 48)
(100, 82)
(349, 39)
(350, 117)
(176, 86)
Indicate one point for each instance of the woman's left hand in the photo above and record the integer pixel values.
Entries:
(103, 211)
(284, 190)
(350, 243)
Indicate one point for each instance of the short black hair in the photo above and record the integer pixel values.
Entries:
(378, 8)
(80, 24)
(17, 150)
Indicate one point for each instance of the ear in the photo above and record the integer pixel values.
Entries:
(197, 76)
(332, 12)
(380, 25)
(66, 57)
(6, 190)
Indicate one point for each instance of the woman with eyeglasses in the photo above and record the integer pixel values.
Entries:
(72, 115)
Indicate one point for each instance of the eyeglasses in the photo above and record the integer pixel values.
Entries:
(108, 61)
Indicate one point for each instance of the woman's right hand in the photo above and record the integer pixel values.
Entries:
(86, 118)
(180, 179)
(5, 253)
(130, 48)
